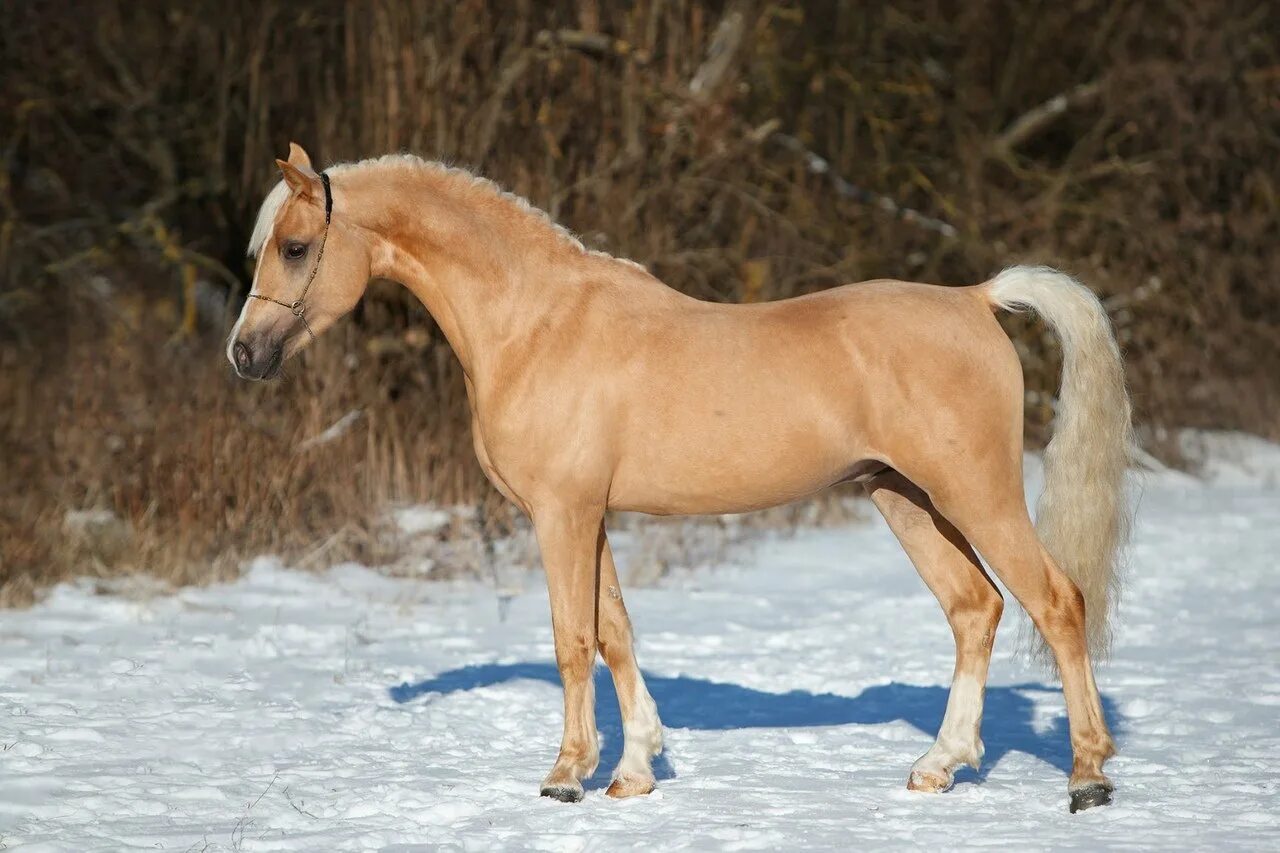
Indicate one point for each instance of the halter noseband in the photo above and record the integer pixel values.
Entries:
(297, 307)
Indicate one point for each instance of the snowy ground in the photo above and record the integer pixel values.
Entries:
(353, 711)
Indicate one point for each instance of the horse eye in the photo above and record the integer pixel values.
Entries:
(294, 251)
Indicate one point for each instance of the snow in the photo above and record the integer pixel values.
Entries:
(798, 682)
(414, 520)
(1232, 458)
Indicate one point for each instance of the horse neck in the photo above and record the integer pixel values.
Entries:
(486, 274)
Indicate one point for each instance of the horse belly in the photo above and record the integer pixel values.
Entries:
(732, 462)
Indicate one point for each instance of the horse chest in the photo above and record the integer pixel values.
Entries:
(491, 468)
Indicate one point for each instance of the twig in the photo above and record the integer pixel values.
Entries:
(264, 792)
(510, 74)
(818, 165)
(335, 431)
(1038, 118)
(298, 808)
(723, 50)
(595, 45)
(331, 540)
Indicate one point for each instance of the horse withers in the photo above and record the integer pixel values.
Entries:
(593, 386)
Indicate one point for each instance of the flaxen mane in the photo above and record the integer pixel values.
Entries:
(453, 176)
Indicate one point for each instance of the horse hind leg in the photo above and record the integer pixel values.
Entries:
(972, 604)
(992, 514)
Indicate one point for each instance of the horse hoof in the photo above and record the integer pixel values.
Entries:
(563, 793)
(623, 787)
(928, 783)
(1089, 796)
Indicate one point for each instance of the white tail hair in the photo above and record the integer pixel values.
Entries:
(1083, 515)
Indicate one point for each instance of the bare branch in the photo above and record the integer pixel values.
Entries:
(336, 430)
(725, 43)
(817, 165)
(595, 45)
(1040, 117)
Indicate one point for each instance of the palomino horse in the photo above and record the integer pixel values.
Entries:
(593, 386)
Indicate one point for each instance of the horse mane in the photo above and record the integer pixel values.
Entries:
(453, 175)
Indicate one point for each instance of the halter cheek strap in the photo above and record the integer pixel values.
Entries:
(298, 306)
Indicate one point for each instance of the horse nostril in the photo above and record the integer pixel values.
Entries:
(244, 359)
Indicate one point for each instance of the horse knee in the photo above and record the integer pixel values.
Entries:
(615, 644)
(613, 652)
(574, 656)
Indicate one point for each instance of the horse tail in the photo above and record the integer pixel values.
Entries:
(1083, 516)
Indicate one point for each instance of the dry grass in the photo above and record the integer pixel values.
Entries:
(137, 149)
(204, 470)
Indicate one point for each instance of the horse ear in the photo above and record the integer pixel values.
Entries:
(299, 157)
(302, 180)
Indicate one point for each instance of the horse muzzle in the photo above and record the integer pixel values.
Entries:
(257, 358)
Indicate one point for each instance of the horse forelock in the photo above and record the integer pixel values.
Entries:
(267, 218)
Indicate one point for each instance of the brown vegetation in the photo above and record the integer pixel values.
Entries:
(742, 151)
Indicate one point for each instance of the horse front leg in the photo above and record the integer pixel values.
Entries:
(641, 727)
(570, 539)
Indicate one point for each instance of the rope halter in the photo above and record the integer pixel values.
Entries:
(298, 306)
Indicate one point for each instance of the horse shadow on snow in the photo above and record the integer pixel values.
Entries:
(694, 703)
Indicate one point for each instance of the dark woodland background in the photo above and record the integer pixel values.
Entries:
(742, 151)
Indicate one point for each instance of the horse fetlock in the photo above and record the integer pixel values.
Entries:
(1087, 773)
(973, 756)
(655, 742)
(934, 771)
(574, 763)
(645, 730)
(1089, 756)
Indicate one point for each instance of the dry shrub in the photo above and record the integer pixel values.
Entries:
(205, 470)
(141, 139)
